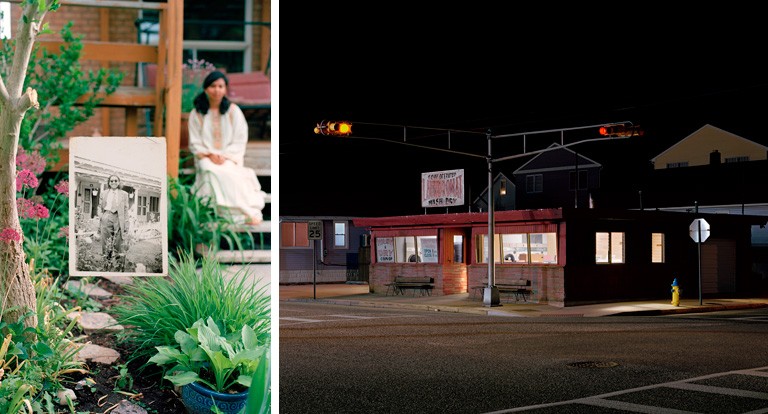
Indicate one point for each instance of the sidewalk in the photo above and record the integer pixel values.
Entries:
(358, 295)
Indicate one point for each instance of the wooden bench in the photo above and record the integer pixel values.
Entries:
(519, 288)
(423, 284)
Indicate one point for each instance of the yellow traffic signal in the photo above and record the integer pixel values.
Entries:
(336, 128)
(621, 130)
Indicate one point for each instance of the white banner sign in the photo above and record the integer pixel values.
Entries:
(442, 188)
(385, 250)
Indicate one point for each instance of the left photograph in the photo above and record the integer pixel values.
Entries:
(117, 210)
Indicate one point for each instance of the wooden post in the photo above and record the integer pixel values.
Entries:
(175, 31)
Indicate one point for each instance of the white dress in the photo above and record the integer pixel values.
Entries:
(232, 185)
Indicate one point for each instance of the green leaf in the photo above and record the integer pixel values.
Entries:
(165, 355)
(183, 378)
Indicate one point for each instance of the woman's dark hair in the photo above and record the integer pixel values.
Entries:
(201, 100)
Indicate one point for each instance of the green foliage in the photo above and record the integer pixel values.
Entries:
(153, 309)
(124, 380)
(260, 392)
(59, 80)
(193, 220)
(206, 356)
(35, 367)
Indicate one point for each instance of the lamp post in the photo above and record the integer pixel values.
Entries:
(491, 291)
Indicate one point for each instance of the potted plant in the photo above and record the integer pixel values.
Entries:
(213, 369)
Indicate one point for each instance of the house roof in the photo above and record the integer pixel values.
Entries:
(695, 149)
(555, 160)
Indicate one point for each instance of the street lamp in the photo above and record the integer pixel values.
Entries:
(614, 130)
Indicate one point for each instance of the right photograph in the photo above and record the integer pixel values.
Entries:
(480, 221)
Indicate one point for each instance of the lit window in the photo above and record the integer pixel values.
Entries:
(657, 248)
(340, 234)
(416, 249)
(519, 248)
(609, 247)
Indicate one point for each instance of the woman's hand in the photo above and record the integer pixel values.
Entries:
(215, 158)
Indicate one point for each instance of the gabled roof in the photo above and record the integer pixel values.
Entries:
(696, 148)
(563, 159)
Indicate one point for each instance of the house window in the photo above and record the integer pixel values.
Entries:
(141, 206)
(609, 247)
(154, 204)
(578, 179)
(416, 249)
(741, 158)
(534, 183)
(677, 164)
(294, 234)
(340, 234)
(519, 248)
(657, 247)
(220, 35)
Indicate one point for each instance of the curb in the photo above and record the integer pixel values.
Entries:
(560, 313)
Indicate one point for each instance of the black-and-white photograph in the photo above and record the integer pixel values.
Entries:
(118, 206)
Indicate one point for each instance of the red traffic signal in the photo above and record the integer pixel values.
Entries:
(335, 128)
(621, 130)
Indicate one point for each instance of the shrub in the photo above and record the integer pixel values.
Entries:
(153, 309)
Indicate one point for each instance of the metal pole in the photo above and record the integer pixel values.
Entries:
(699, 243)
(491, 292)
(314, 269)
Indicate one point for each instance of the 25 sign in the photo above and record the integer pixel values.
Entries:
(315, 230)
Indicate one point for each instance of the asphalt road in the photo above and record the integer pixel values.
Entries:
(342, 359)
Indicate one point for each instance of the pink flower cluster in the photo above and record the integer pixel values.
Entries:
(26, 178)
(31, 209)
(62, 187)
(33, 162)
(9, 235)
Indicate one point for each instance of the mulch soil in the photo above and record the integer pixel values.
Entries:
(109, 387)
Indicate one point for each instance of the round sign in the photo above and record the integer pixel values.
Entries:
(699, 229)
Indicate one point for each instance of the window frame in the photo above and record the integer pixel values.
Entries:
(344, 234)
(291, 231)
(612, 247)
(534, 183)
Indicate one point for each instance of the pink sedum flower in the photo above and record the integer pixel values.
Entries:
(30, 209)
(8, 235)
(64, 232)
(26, 178)
(62, 187)
(30, 161)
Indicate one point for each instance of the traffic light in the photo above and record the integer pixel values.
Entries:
(621, 130)
(335, 128)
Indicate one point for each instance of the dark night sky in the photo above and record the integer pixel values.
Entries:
(481, 68)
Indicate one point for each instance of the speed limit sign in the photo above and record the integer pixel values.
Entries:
(315, 230)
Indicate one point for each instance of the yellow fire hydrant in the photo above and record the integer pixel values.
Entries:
(675, 293)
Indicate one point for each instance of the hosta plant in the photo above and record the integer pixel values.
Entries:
(204, 355)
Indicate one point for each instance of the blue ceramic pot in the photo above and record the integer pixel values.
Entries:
(199, 399)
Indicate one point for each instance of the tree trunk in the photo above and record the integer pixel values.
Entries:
(16, 287)
(17, 293)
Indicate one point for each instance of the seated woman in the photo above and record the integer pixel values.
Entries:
(218, 134)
